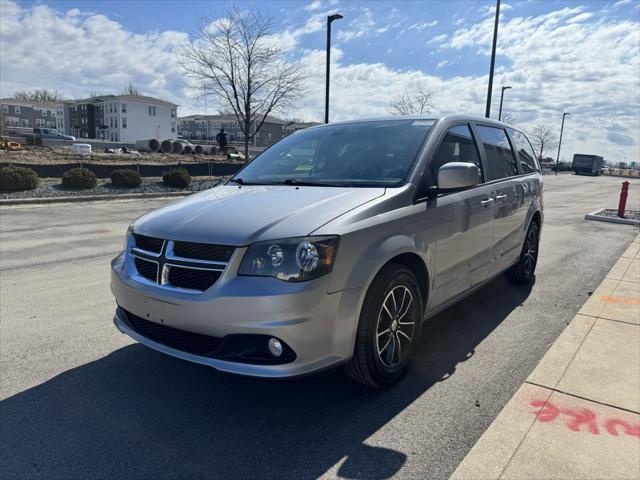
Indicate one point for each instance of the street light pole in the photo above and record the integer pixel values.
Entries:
(501, 98)
(493, 60)
(330, 19)
(560, 142)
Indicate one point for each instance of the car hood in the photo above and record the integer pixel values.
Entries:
(238, 216)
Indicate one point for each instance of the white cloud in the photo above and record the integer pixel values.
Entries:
(558, 61)
(423, 25)
(315, 5)
(621, 3)
(561, 61)
(438, 39)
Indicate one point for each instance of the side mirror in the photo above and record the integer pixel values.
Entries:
(458, 176)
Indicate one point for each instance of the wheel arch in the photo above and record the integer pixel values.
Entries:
(418, 267)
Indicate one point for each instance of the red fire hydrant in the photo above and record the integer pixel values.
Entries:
(623, 199)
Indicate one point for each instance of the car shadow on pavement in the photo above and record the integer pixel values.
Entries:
(139, 414)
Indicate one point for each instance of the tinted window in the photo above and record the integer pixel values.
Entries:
(528, 163)
(457, 146)
(379, 153)
(501, 162)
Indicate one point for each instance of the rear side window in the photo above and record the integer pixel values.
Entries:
(528, 162)
(501, 162)
(457, 146)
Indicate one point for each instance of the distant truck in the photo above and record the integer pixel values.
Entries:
(587, 164)
(51, 133)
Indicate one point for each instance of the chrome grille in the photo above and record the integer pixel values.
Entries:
(191, 278)
(184, 266)
(203, 251)
(148, 244)
(146, 268)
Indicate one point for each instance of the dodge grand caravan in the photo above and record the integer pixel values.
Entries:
(333, 246)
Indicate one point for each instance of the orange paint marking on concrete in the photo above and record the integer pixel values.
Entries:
(619, 299)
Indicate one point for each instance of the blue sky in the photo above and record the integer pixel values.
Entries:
(558, 55)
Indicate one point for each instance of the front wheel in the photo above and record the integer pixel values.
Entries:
(389, 328)
(523, 271)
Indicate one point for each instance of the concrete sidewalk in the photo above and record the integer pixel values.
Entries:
(578, 414)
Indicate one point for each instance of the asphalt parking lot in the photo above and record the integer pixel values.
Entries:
(80, 400)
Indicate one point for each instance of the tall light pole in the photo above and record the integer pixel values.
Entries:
(502, 98)
(493, 60)
(560, 142)
(330, 19)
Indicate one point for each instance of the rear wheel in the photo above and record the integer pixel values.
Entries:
(524, 270)
(389, 328)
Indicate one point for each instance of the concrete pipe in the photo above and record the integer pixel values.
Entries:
(198, 149)
(188, 149)
(166, 146)
(178, 146)
(149, 145)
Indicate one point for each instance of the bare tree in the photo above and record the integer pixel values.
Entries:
(38, 95)
(412, 104)
(543, 139)
(236, 60)
(131, 90)
(509, 118)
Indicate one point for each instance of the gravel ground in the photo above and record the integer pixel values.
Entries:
(52, 155)
(613, 213)
(51, 187)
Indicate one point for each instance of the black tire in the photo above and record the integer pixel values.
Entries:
(523, 272)
(383, 369)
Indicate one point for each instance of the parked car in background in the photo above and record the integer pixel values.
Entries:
(52, 134)
(587, 164)
(333, 246)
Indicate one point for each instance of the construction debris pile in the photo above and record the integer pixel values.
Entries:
(6, 144)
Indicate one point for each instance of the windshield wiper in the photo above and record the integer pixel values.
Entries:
(304, 183)
(240, 181)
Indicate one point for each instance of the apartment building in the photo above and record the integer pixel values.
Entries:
(206, 127)
(123, 118)
(17, 113)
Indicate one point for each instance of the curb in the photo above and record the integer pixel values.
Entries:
(90, 198)
(599, 218)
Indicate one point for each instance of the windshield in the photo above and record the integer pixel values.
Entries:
(364, 154)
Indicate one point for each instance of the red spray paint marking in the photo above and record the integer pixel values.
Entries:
(578, 418)
(612, 423)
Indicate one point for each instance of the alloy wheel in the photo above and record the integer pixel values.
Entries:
(531, 251)
(396, 326)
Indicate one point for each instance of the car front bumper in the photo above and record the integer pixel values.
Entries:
(319, 327)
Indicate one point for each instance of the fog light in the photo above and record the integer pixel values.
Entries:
(275, 347)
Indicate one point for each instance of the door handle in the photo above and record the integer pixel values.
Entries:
(500, 197)
(487, 201)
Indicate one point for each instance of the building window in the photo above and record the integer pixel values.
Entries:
(5, 108)
(173, 113)
(44, 112)
(24, 123)
(110, 122)
(51, 124)
(173, 127)
(152, 111)
(16, 109)
(124, 122)
(115, 122)
(12, 121)
(124, 108)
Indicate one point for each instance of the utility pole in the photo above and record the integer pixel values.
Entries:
(560, 142)
(330, 19)
(493, 60)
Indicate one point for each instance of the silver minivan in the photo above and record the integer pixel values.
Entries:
(333, 247)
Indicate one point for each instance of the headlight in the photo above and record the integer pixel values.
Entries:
(292, 259)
